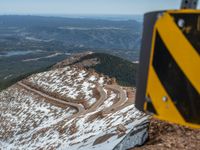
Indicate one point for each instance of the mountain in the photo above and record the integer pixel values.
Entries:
(115, 67)
(122, 70)
(30, 44)
(71, 106)
(68, 34)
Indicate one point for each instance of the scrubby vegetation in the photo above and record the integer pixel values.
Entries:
(123, 70)
(115, 67)
(6, 83)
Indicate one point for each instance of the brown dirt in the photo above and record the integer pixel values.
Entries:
(84, 103)
(99, 115)
(163, 135)
(73, 129)
(102, 139)
(96, 93)
(71, 60)
(52, 94)
(121, 130)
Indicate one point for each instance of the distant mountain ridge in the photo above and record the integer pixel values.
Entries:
(31, 43)
(65, 34)
(122, 70)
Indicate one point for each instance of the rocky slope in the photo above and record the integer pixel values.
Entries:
(70, 107)
(122, 70)
(167, 136)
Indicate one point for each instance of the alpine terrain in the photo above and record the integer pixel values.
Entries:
(78, 104)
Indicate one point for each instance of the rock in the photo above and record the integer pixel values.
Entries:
(121, 128)
(135, 137)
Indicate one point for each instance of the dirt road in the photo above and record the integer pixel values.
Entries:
(80, 109)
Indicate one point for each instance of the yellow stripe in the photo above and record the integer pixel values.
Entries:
(182, 51)
(166, 110)
(157, 92)
(184, 11)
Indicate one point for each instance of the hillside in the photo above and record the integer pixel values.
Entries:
(167, 136)
(122, 70)
(31, 43)
(70, 107)
(78, 104)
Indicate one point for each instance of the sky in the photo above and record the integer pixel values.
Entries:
(89, 7)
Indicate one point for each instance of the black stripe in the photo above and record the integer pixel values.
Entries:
(190, 22)
(184, 95)
(150, 106)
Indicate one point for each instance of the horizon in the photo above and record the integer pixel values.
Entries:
(86, 7)
(116, 17)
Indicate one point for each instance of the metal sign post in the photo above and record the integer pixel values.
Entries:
(189, 4)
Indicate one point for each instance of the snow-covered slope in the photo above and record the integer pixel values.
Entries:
(69, 108)
(70, 83)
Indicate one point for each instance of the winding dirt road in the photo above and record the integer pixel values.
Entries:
(103, 97)
(122, 95)
(80, 109)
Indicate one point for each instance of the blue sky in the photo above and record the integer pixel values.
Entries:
(67, 7)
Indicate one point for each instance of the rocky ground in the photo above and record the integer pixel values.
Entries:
(163, 136)
(70, 107)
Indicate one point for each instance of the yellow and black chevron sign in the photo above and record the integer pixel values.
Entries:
(173, 79)
(173, 84)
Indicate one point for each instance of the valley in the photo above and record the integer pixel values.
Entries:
(30, 44)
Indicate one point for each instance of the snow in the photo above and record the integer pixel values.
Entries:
(101, 81)
(108, 102)
(26, 114)
(69, 82)
(92, 101)
(90, 131)
(30, 121)
(92, 78)
(52, 128)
